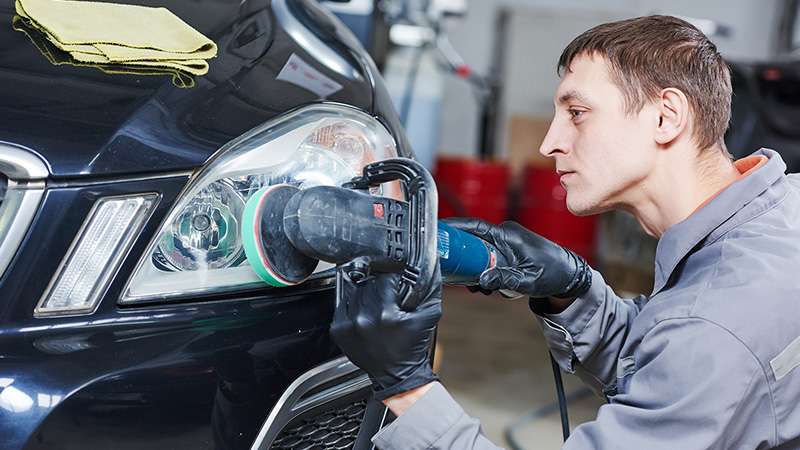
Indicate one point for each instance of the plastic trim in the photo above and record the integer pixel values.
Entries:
(26, 173)
(292, 403)
(20, 164)
(311, 43)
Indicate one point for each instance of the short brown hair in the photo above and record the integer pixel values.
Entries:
(651, 53)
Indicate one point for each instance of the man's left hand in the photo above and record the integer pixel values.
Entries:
(390, 344)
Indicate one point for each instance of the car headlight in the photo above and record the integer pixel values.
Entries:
(198, 249)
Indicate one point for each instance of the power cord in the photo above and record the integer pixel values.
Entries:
(562, 401)
(546, 410)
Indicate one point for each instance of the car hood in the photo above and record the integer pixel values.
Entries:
(85, 122)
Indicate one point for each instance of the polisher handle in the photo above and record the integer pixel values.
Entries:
(420, 192)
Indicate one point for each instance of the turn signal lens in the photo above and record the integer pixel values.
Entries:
(105, 237)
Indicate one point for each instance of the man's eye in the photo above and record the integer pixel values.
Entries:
(576, 113)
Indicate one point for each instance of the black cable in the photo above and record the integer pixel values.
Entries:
(562, 401)
(510, 431)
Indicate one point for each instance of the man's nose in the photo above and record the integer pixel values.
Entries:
(556, 140)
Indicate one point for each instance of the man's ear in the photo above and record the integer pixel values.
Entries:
(673, 115)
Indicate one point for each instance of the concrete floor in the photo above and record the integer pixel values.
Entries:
(495, 363)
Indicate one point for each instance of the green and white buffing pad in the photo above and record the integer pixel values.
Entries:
(269, 251)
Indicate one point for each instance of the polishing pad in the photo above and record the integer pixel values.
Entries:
(268, 249)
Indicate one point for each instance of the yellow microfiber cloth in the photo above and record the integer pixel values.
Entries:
(130, 35)
(58, 57)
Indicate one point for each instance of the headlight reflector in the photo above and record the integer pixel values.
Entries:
(205, 232)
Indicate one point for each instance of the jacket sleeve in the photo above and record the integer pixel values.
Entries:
(434, 422)
(587, 337)
(689, 385)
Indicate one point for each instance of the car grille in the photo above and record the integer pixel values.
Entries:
(328, 407)
(332, 429)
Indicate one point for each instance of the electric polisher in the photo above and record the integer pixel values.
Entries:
(287, 231)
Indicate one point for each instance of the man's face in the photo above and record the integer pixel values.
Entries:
(601, 153)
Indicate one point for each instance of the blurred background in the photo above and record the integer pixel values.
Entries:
(473, 81)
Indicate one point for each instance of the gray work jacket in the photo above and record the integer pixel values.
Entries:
(708, 361)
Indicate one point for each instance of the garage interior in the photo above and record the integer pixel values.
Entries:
(138, 308)
(473, 81)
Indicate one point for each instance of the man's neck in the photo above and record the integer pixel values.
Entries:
(680, 188)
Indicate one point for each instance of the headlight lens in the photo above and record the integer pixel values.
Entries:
(199, 248)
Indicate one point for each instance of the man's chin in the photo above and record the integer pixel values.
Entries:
(579, 208)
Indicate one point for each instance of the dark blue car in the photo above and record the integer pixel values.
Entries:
(129, 317)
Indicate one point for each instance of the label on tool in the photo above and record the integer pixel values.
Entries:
(444, 243)
(378, 211)
(462, 256)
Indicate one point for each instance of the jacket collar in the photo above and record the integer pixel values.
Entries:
(680, 239)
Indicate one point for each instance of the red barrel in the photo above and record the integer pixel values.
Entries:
(543, 209)
(472, 188)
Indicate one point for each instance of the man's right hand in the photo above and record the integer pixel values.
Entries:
(535, 266)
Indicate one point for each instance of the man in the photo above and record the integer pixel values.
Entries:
(709, 360)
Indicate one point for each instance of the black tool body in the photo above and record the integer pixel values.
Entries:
(339, 225)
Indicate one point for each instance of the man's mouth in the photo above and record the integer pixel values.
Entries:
(564, 175)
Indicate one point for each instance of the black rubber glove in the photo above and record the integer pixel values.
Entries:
(390, 344)
(536, 267)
